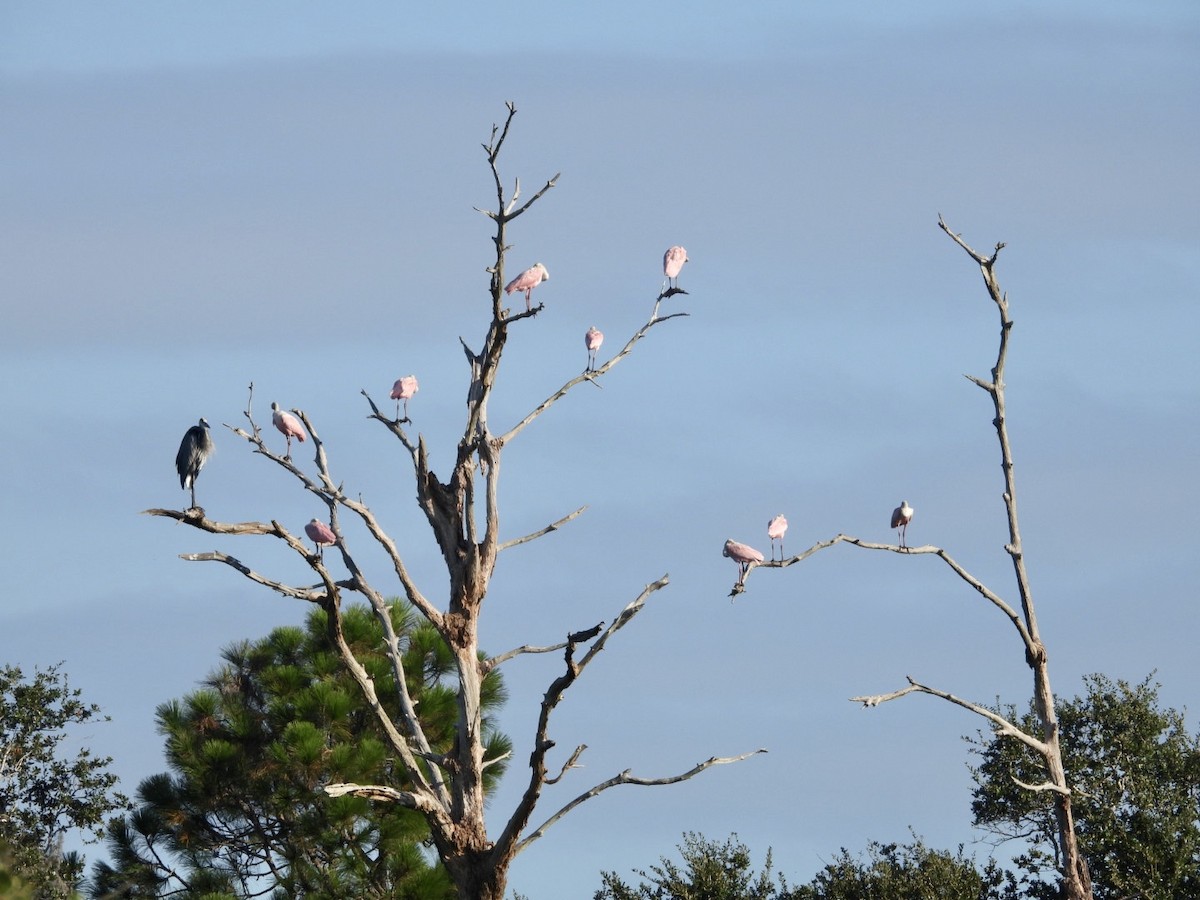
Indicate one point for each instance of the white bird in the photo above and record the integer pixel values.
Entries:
(901, 516)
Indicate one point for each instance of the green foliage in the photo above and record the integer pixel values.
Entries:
(908, 872)
(710, 871)
(44, 795)
(242, 812)
(1135, 776)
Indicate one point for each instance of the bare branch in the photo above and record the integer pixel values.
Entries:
(518, 651)
(591, 376)
(1002, 725)
(739, 587)
(626, 778)
(532, 200)
(380, 792)
(542, 743)
(569, 764)
(392, 425)
(197, 519)
(1044, 786)
(312, 595)
(553, 526)
(872, 700)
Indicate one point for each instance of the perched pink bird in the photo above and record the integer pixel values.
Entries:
(901, 516)
(776, 529)
(527, 281)
(743, 555)
(403, 389)
(289, 426)
(320, 534)
(673, 261)
(592, 340)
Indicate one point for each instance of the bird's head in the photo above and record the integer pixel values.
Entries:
(203, 422)
(542, 269)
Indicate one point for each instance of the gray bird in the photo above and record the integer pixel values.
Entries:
(194, 451)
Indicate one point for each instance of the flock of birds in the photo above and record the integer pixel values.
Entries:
(197, 445)
(744, 554)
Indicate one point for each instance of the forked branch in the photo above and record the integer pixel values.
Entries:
(627, 778)
(1001, 724)
(594, 374)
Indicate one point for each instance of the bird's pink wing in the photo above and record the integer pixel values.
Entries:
(527, 279)
(673, 261)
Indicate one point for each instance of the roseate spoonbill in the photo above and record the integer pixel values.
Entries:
(527, 281)
(289, 426)
(194, 451)
(403, 389)
(901, 516)
(592, 340)
(743, 555)
(776, 529)
(321, 535)
(673, 261)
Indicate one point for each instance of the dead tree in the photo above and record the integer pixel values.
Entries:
(446, 784)
(1076, 882)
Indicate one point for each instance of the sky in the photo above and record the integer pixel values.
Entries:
(201, 196)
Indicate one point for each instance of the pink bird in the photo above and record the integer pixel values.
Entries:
(592, 340)
(289, 426)
(321, 535)
(901, 516)
(743, 555)
(404, 389)
(673, 261)
(527, 281)
(776, 529)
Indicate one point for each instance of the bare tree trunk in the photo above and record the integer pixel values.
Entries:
(1077, 882)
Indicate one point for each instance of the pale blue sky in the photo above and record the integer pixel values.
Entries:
(197, 196)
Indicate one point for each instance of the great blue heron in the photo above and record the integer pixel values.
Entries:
(673, 261)
(901, 516)
(194, 451)
(289, 426)
(527, 281)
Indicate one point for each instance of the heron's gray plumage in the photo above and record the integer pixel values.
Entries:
(194, 451)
